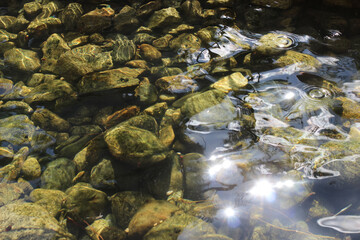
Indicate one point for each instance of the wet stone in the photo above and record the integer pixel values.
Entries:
(111, 79)
(300, 60)
(272, 43)
(96, 20)
(23, 60)
(164, 17)
(140, 38)
(16, 129)
(7, 22)
(146, 92)
(49, 121)
(121, 115)
(123, 49)
(43, 27)
(58, 174)
(149, 53)
(10, 192)
(186, 42)
(7, 41)
(105, 229)
(102, 176)
(32, 9)
(124, 205)
(70, 15)
(16, 107)
(49, 199)
(176, 84)
(83, 60)
(233, 82)
(53, 47)
(29, 220)
(31, 168)
(38, 78)
(6, 86)
(125, 21)
(83, 202)
(148, 215)
(148, 8)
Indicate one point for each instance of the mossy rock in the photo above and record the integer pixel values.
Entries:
(58, 174)
(51, 200)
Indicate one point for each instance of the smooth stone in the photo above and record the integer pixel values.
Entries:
(22, 59)
(186, 42)
(110, 79)
(102, 176)
(7, 22)
(83, 60)
(105, 229)
(6, 86)
(31, 168)
(121, 115)
(16, 107)
(125, 204)
(7, 41)
(43, 27)
(83, 202)
(50, 121)
(137, 64)
(38, 78)
(300, 60)
(51, 200)
(58, 174)
(149, 53)
(52, 49)
(273, 43)
(157, 110)
(12, 171)
(29, 221)
(164, 17)
(350, 108)
(148, 8)
(141, 38)
(146, 93)
(176, 84)
(32, 9)
(148, 215)
(162, 42)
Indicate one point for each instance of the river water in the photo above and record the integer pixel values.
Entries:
(212, 119)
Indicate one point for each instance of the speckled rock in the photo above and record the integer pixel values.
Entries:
(124, 205)
(164, 17)
(110, 79)
(70, 15)
(148, 215)
(49, 121)
(31, 168)
(51, 200)
(29, 221)
(83, 60)
(96, 20)
(52, 49)
(58, 174)
(22, 60)
(85, 202)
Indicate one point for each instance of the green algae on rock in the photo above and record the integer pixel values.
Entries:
(58, 174)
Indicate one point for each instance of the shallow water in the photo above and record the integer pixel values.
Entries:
(280, 154)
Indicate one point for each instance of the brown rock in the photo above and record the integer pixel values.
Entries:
(176, 83)
(96, 20)
(121, 115)
(149, 53)
(49, 120)
(32, 9)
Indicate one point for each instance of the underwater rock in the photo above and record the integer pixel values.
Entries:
(50, 121)
(148, 215)
(300, 60)
(43, 27)
(109, 79)
(32, 9)
(58, 174)
(282, 4)
(7, 41)
(51, 200)
(38, 78)
(144, 122)
(176, 84)
(350, 108)
(71, 15)
(123, 49)
(19, 92)
(102, 176)
(83, 202)
(121, 115)
(12, 171)
(273, 43)
(55, 90)
(49, 8)
(83, 60)
(149, 53)
(10, 192)
(125, 21)
(196, 177)
(16, 107)
(31, 221)
(31, 168)
(186, 42)
(192, 9)
(164, 18)
(157, 110)
(22, 59)
(181, 226)
(135, 146)
(162, 42)
(317, 211)
(7, 22)
(124, 205)
(17, 130)
(85, 130)
(146, 93)
(97, 20)
(141, 38)
(52, 49)
(233, 82)
(6, 86)
(105, 229)
(199, 102)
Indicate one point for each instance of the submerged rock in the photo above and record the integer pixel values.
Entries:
(70, 15)
(17, 130)
(83, 202)
(124, 205)
(31, 168)
(29, 221)
(149, 53)
(42, 27)
(32, 9)
(110, 79)
(83, 60)
(233, 82)
(51, 200)
(96, 20)
(176, 84)
(148, 216)
(123, 49)
(300, 60)
(164, 17)
(49, 120)
(7, 41)
(22, 59)
(58, 174)
(105, 229)
(6, 86)
(282, 4)
(10, 192)
(126, 21)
